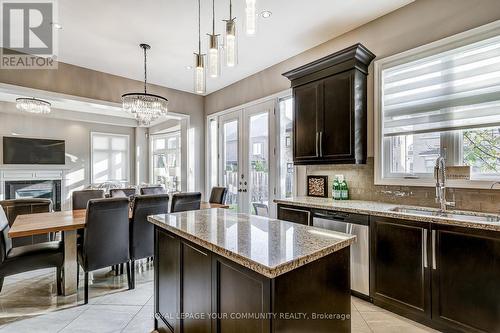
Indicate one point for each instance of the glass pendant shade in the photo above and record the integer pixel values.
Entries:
(32, 105)
(213, 56)
(231, 44)
(250, 17)
(200, 80)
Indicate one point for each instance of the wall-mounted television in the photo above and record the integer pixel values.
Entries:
(18, 150)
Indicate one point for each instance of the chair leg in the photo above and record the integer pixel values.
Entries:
(129, 280)
(77, 275)
(86, 290)
(1, 283)
(121, 269)
(116, 270)
(59, 280)
(132, 273)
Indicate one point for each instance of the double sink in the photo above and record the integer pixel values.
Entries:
(455, 215)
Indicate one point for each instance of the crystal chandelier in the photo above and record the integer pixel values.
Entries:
(230, 41)
(213, 49)
(145, 107)
(32, 105)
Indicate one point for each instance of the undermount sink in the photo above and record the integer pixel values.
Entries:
(466, 216)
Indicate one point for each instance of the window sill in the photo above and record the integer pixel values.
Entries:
(429, 182)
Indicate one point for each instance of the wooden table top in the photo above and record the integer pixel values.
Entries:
(42, 223)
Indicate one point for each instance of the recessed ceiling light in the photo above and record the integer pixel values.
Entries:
(189, 67)
(56, 25)
(266, 14)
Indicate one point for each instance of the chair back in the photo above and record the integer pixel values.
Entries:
(261, 209)
(153, 190)
(81, 198)
(218, 195)
(182, 202)
(122, 192)
(141, 231)
(106, 236)
(5, 241)
(15, 207)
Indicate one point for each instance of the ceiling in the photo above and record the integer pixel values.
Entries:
(104, 35)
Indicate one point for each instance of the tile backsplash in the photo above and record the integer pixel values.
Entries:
(360, 179)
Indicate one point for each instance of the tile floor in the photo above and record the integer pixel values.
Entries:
(28, 303)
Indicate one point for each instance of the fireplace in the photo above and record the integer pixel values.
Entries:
(48, 189)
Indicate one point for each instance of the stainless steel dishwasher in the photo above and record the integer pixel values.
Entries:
(354, 224)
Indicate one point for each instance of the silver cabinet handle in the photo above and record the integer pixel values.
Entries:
(321, 143)
(317, 138)
(434, 249)
(424, 247)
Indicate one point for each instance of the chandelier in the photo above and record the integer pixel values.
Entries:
(145, 107)
(32, 105)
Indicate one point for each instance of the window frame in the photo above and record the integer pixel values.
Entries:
(165, 151)
(380, 157)
(92, 180)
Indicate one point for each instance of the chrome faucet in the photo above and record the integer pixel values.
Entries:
(440, 174)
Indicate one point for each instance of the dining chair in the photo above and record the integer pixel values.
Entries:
(261, 209)
(122, 192)
(153, 190)
(182, 202)
(15, 207)
(81, 198)
(106, 237)
(141, 231)
(15, 260)
(218, 195)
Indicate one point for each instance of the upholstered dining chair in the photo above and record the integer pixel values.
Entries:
(15, 207)
(182, 202)
(141, 231)
(15, 260)
(106, 237)
(80, 198)
(261, 209)
(218, 195)
(153, 190)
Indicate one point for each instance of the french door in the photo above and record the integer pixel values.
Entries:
(246, 168)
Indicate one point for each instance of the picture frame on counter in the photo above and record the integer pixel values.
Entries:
(317, 186)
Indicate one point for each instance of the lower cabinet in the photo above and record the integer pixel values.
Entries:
(444, 276)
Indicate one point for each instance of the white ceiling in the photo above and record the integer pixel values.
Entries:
(104, 35)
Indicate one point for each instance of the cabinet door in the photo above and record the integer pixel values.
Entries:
(306, 105)
(167, 282)
(196, 288)
(294, 214)
(466, 278)
(400, 274)
(337, 118)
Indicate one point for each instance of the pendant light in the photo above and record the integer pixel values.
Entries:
(213, 49)
(33, 105)
(145, 107)
(250, 17)
(230, 41)
(199, 61)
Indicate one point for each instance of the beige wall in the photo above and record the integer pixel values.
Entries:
(82, 82)
(416, 24)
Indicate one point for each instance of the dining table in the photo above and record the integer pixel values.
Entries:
(67, 222)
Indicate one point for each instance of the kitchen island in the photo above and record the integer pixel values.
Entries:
(220, 271)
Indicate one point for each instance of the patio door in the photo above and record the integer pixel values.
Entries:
(245, 164)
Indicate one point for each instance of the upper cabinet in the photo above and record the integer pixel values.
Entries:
(330, 120)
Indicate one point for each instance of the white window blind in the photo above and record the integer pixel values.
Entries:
(110, 157)
(455, 89)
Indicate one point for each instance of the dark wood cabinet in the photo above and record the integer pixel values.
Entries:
(294, 214)
(400, 274)
(330, 121)
(466, 279)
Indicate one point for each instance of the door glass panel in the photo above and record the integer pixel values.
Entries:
(286, 150)
(258, 157)
(230, 162)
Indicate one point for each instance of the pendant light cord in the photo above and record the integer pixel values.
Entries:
(199, 27)
(145, 71)
(213, 17)
(230, 9)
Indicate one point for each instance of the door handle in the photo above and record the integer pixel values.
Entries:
(321, 143)
(424, 247)
(434, 249)
(244, 190)
(317, 138)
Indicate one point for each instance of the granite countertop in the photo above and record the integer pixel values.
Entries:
(469, 219)
(267, 246)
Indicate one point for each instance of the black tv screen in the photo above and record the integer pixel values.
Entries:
(32, 151)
